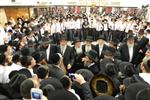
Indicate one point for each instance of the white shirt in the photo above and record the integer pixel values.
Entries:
(73, 91)
(77, 24)
(8, 70)
(2, 70)
(99, 26)
(145, 76)
(112, 25)
(72, 24)
(48, 52)
(53, 28)
(123, 26)
(130, 49)
(58, 28)
(67, 24)
(91, 65)
(100, 50)
(105, 27)
(128, 27)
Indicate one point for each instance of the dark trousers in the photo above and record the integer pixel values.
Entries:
(93, 33)
(106, 35)
(85, 33)
(56, 37)
(79, 33)
(69, 33)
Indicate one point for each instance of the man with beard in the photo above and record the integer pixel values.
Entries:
(88, 45)
(78, 55)
(48, 48)
(129, 50)
(101, 46)
(91, 61)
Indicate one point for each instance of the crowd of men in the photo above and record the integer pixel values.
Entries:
(64, 56)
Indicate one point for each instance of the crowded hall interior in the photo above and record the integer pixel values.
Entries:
(75, 50)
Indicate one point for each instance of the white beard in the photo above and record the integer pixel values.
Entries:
(78, 50)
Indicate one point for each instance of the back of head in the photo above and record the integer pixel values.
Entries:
(42, 72)
(109, 69)
(16, 81)
(66, 82)
(56, 58)
(25, 72)
(25, 88)
(3, 97)
(87, 74)
(143, 94)
(26, 61)
(16, 58)
(133, 89)
(105, 97)
(55, 82)
(146, 64)
(62, 95)
(48, 89)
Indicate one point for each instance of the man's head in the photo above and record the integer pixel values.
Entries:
(145, 66)
(130, 40)
(91, 57)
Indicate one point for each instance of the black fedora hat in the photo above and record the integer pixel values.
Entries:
(89, 38)
(102, 84)
(76, 40)
(63, 37)
(101, 37)
(45, 40)
(130, 37)
(92, 54)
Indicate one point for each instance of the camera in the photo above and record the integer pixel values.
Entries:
(36, 94)
(72, 76)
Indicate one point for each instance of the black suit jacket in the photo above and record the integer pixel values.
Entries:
(78, 64)
(55, 72)
(105, 47)
(124, 53)
(142, 48)
(68, 57)
(53, 49)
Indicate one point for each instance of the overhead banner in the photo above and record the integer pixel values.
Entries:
(90, 3)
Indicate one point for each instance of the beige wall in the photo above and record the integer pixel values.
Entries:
(16, 12)
(3, 17)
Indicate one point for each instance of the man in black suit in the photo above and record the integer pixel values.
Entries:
(78, 55)
(142, 42)
(56, 69)
(101, 46)
(129, 50)
(67, 52)
(91, 61)
(48, 48)
(88, 45)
